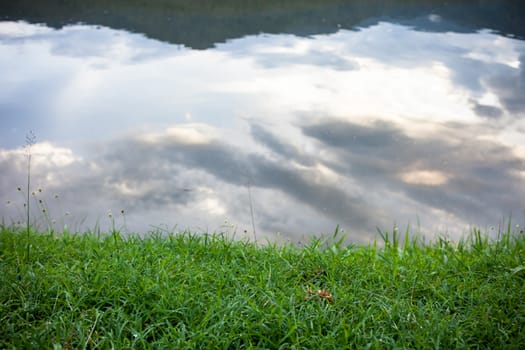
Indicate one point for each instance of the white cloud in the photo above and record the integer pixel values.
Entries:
(425, 177)
(175, 136)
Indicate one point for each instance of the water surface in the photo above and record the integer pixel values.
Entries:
(287, 120)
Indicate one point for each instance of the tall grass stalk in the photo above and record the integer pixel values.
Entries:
(251, 212)
(30, 141)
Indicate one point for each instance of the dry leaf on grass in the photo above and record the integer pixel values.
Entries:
(320, 294)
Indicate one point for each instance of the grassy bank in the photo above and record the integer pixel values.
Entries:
(206, 291)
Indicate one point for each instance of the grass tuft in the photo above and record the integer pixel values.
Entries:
(190, 291)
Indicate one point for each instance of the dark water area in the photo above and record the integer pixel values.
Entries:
(203, 24)
(283, 118)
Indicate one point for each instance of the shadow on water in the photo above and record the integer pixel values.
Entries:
(201, 24)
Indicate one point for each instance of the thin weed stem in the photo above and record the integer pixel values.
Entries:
(30, 141)
(251, 212)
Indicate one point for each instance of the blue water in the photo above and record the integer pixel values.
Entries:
(401, 116)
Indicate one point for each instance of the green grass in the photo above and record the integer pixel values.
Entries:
(186, 291)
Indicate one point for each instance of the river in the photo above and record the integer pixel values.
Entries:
(271, 120)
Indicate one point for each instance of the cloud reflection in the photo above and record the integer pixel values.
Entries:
(362, 129)
(455, 173)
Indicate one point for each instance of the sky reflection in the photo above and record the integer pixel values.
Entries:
(381, 126)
